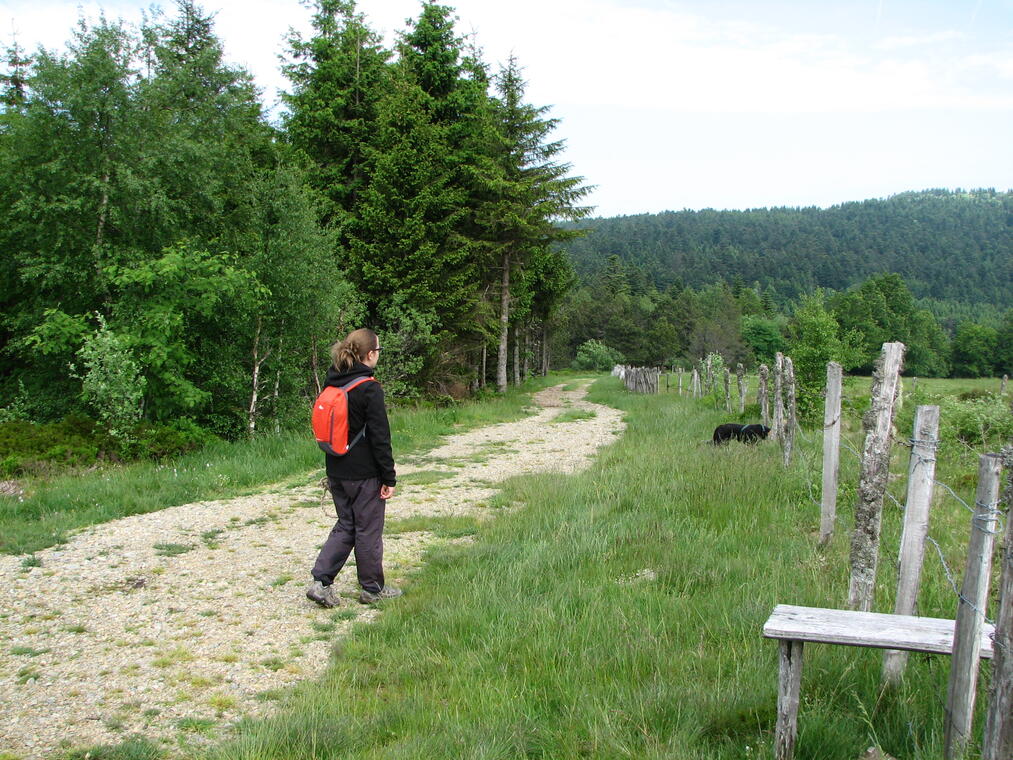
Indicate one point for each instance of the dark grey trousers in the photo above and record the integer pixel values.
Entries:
(360, 527)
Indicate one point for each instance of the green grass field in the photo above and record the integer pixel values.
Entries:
(618, 615)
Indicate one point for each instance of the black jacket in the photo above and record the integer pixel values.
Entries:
(372, 456)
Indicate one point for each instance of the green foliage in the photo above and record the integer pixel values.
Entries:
(27, 447)
(882, 310)
(974, 350)
(163, 442)
(763, 336)
(814, 339)
(407, 341)
(17, 407)
(950, 246)
(595, 355)
(979, 422)
(111, 381)
(1004, 345)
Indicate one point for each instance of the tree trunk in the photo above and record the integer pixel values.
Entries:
(517, 357)
(258, 361)
(526, 366)
(545, 349)
(485, 356)
(504, 326)
(314, 365)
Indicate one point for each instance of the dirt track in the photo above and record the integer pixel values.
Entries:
(178, 623)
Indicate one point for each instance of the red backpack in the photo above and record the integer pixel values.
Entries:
(330, 418)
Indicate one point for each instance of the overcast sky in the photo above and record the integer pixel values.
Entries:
(672, 104)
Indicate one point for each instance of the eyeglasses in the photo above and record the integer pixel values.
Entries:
(377, 349)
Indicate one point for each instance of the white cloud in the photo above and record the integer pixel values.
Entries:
(668, 104)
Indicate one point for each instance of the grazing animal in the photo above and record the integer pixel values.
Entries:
(745, 433)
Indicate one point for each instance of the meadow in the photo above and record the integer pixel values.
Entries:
(617, 614)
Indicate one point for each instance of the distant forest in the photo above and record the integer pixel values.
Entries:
(932, 269)
(949, 246)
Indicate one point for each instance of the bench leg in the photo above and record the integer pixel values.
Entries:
(788, 687)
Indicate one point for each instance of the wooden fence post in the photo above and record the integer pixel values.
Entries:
(920, 474)
(680, 381)
(788, 692)
(831, 451)
(740, 374)
(696, 383)
(872, 482)
(997, 741)
(762, 396)
(971, 610)
(779, 397)
(1002, 385)
(791, 418)
(728, 390)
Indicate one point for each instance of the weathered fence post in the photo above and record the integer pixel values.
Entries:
(971, 609)
(680, 381)
(997, 740)
(762, 396)
(740, 374)
(831, 451)
(779, 397)
(791, 418)
(872, 481)
(696, 383)
(788, 691)
(728, 390)
(920, 474)
(1002, 385)
(708, 375)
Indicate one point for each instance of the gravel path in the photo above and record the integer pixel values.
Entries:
(177, 623)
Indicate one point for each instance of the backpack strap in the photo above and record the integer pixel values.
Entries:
(348, 387)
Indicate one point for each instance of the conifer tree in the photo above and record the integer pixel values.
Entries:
(534, 191)
(337, 76)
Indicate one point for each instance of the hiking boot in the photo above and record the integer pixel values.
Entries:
(325, 596)
(387, 592)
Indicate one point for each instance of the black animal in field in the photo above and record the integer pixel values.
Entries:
(745, 433)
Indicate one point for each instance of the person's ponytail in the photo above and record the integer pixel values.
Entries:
(354, 348)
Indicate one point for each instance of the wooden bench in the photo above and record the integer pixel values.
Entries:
(793, 626)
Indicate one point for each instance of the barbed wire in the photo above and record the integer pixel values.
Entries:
(984, 516)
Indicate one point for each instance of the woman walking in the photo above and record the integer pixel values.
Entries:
(361, 480)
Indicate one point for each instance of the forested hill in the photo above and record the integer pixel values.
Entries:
(955, 246)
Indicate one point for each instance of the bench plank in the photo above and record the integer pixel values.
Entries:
(867, 629)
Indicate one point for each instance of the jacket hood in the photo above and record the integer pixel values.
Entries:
(338, 377)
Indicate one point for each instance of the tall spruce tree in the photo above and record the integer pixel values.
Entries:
(533, 192)
(337, 76)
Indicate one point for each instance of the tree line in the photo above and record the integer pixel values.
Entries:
(954, 249)
(619, 309)
(169, 253)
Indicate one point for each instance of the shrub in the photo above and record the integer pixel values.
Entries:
(111, 382)
(595, 355)
(984, 421)
(166, 441)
